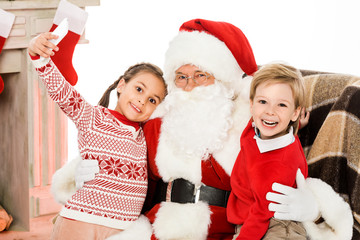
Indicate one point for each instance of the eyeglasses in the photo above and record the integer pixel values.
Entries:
(200, 78)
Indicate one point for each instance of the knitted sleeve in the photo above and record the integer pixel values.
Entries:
(65, 95)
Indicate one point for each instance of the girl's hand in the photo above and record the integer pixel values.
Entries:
(41, 46)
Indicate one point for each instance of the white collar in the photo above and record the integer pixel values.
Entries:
(266, 145)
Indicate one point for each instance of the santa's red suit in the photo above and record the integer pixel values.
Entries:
(187, 218)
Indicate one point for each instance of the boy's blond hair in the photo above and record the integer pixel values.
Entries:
(281, 73)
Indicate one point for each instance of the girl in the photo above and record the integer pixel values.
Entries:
(270, 152)
(113, 200)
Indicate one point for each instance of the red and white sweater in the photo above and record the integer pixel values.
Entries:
(116, 196)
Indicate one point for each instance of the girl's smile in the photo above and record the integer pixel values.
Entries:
(135, 107)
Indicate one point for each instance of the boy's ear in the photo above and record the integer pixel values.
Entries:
(121, 85)
(296, 114)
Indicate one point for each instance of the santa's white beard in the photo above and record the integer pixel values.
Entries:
(197, 122)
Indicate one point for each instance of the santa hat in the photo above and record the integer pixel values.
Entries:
(218, 48)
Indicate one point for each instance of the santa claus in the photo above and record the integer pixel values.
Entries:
(193, 142)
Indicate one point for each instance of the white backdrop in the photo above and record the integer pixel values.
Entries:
(319, 35)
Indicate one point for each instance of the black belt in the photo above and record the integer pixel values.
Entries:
(183, 191)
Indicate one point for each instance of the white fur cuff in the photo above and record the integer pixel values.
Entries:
(182, 221)
(140, 230)
(77, 16)
(7, 20)
(335, 211)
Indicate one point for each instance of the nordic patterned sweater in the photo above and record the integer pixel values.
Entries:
(116, 196)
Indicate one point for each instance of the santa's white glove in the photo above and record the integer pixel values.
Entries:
(85, 171)
(296, 204)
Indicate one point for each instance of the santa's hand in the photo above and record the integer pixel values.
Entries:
(85, 172)
(296, 204)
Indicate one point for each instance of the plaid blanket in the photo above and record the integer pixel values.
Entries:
(331, 140)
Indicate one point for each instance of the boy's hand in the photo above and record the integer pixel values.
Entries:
(41, 46)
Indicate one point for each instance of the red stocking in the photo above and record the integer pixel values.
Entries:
(63, 58)
(6, 22)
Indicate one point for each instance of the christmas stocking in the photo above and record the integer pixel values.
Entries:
(6, 22)
(63, 58)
